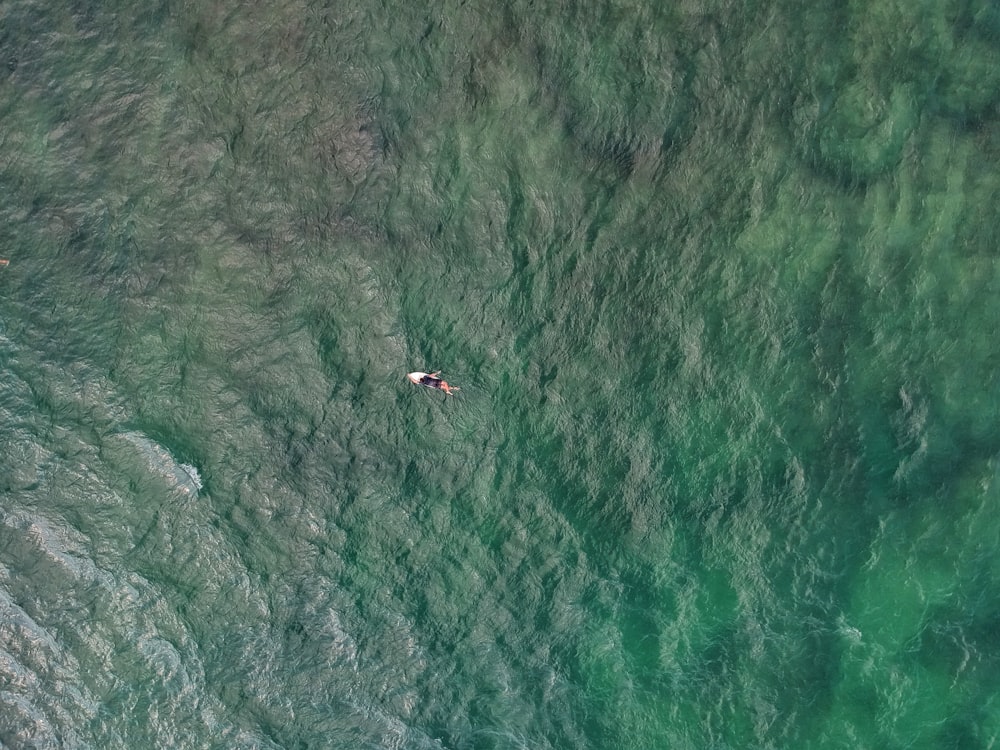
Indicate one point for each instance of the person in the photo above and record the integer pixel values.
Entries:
(431, 380)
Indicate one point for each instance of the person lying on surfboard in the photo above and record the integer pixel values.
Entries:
(431, 380)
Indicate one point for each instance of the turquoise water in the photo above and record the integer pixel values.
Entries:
(719, 284)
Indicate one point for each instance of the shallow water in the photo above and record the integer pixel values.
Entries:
(718, 284)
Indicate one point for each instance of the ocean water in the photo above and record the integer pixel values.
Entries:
(720, 285)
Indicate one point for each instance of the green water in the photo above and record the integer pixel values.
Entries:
(719, 285)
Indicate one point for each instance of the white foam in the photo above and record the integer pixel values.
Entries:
(183, 477)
